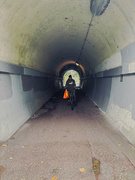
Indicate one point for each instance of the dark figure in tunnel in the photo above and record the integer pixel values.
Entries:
(71, 85)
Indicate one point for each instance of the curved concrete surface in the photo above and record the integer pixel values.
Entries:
(42, 34)
(37, 37)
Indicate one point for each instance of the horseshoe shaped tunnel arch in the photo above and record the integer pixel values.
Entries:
(41, 39)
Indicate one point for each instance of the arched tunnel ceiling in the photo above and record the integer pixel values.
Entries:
(71, 67)
(42, 34)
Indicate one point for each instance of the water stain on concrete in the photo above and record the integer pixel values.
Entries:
(2, 169)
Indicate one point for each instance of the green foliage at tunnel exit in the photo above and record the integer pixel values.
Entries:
(75, 76)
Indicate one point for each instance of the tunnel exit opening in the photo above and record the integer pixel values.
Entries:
(75, 76)
(70, 68)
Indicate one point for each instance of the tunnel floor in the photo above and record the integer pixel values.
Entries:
(57, 143)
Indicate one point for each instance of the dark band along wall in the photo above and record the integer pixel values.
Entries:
(113, 90)
(21, 95)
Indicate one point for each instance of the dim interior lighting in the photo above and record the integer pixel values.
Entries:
(77, 64)
(69, 62)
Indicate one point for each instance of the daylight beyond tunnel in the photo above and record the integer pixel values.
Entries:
(41, 40)
(75, 76)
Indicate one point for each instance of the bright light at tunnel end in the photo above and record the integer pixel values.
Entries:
(75, 76)
(67, 63)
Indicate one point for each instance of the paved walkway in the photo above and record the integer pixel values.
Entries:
(57, 143)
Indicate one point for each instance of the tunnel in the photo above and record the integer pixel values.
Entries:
(42, 39)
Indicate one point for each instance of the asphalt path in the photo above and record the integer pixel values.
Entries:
(57, 143)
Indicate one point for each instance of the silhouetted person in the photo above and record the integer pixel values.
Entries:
(70, 85)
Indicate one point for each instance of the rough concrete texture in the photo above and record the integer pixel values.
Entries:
(41, 34)
(102, 98)
(121, 109)
(128, 58)
(125, 59)
(20, 97)
(58, 142)
(113, 62)
(5, 87)
(116, 99)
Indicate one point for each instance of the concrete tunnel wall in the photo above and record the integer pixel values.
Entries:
(112, 89)
(37, 37)
(21, 95)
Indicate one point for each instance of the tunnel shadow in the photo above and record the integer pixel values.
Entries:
(47, 108)
(46, 112)
(79, 95)
(79, 98)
